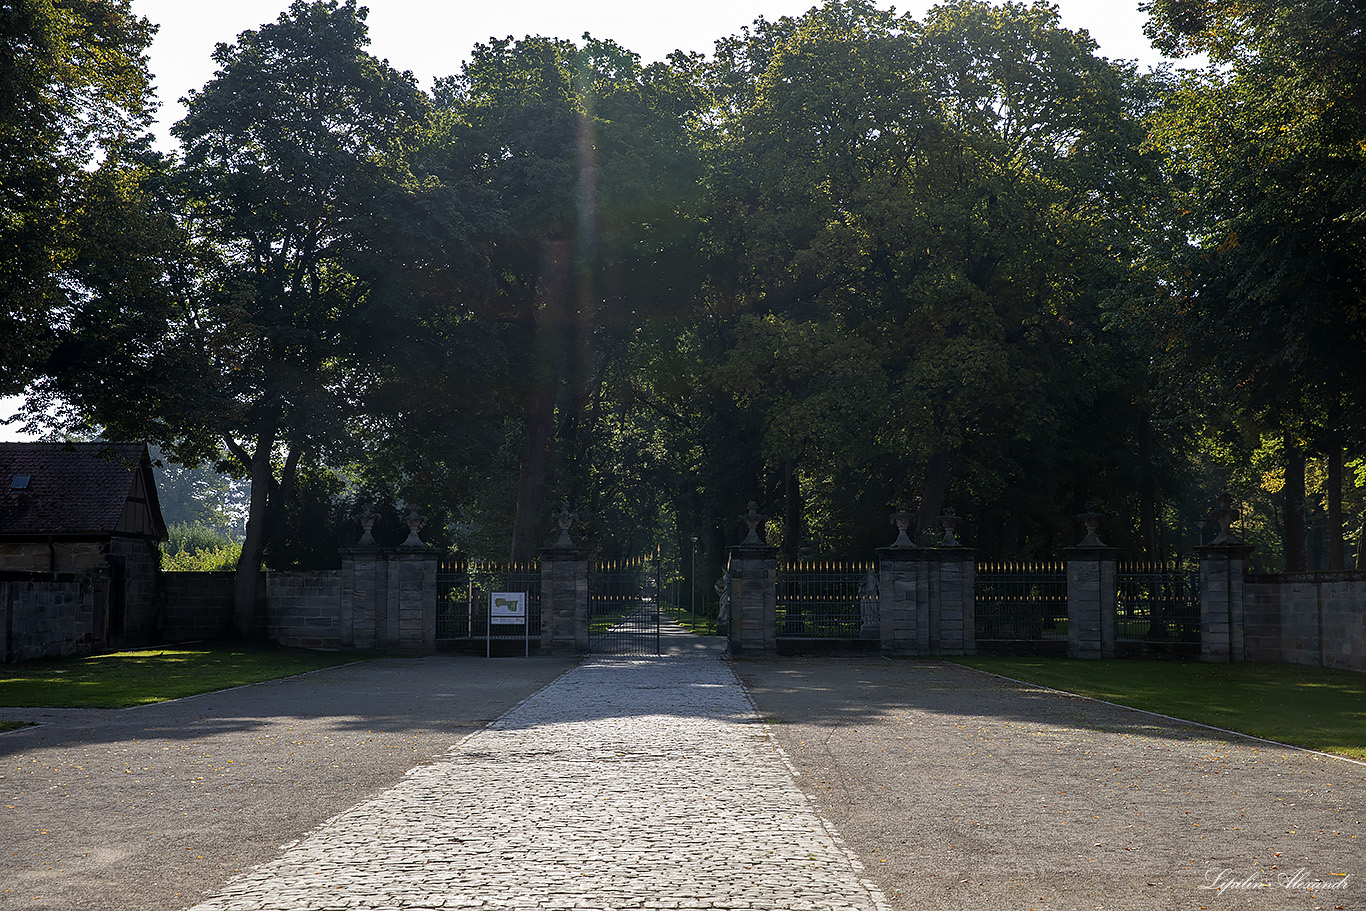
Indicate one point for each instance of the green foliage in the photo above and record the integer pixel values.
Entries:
(220, 559)
(199, 496)
(1266, 289)
(928, 225)
(198, 548)
(849, 261)
(73, 86)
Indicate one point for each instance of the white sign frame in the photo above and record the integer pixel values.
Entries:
(508, 609)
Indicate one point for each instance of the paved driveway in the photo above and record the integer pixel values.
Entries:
(645, 783)
(156, 807)
(959, 790)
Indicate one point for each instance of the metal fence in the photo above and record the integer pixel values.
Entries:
(464, 604)
(829, 600)
(1158, 602)
(1020, 603)
(623, 607)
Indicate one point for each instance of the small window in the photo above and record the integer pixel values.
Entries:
(20, 482)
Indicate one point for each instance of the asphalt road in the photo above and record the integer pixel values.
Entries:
(157, 807)
(959, 790)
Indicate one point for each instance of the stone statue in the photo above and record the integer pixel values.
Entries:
(367, 518)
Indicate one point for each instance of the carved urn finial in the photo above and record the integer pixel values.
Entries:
(1091, 519)
(753, 520)
(950, 521)
(565, 519)
(902, 520)
(1226, 515)
(414, 522)
(367, 518)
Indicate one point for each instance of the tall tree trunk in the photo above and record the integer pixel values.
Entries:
(932, 497)
(267, 495)
(1337, 546)
(550, 328)
(530, 476)
(254, 543)
(1147, 489)
(1296, 543)
(792, 510)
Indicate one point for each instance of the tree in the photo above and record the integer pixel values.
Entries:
(252, 319)
(929, 217)
(587, 153)
(74, 87)
(1269, 276)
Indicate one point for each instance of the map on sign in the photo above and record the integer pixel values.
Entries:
(507, 607)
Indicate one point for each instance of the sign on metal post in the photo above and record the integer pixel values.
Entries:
(508, 609)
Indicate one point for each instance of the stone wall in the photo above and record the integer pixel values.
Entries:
(1307, 618)
(303, 609)
(58, 556)
(129, 566)
(298, 609)
(197, 606)
(134, 571)
(44, 615)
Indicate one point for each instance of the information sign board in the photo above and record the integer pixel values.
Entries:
(507, 607)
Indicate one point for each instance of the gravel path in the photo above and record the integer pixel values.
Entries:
(159, 806)
(960, 790)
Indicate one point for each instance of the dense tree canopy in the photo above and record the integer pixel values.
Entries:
(1269, 247)
(846, 261)
(74, 88)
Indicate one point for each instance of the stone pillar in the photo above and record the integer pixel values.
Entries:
(364, 590)
(903, 600)
(1092, 601)
(412, 600)
(1221, 601)
(564, 600)
(951, 585)
(925, 597)
(753, 572)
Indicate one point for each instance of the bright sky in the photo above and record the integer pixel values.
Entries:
(432, 37)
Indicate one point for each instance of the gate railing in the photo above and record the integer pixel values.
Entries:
(1158, 602)
(827, 600)
(1020, 602)
(463, 604)
(623, 606)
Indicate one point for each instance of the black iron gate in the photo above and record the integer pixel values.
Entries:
(623, 607)
(465, 600)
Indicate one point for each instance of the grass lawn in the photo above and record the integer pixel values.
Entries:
(702, 626)
(122, 679)
(1314, 707)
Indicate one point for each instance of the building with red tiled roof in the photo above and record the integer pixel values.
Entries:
(88, 509)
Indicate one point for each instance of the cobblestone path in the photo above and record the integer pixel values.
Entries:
(627, 783)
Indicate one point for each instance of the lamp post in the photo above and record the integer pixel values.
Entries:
(692, 585)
